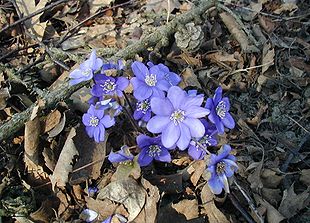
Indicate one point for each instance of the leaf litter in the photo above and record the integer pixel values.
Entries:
(267, 83)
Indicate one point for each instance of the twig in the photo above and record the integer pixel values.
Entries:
(297, 123)
(22, 19)
(238, 206)
(65, 90)
(250, 68)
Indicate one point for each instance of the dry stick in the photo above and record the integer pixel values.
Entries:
(65, 90)
(33, 14)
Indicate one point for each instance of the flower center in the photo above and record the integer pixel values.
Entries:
(143, 106)
(150, 80)
(86, 72)
(205, 141)
(94, 121)
(154, 150)
(220, 167)
(108, 86)
(177, 116)
(221, 109)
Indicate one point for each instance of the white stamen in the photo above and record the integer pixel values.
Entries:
(94, 121)
(177, 116)
(154, 150)
(221, 109)
(150, 80)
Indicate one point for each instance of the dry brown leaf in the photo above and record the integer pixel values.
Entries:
(149, 212)
(105, 208)
(94, 5)
(270, 178)
(159, 5)
(127, 192)
(305, 176)
(4, 95)
(34, 25)
(286, 7)
(32, 138)
(52, 120)
(254, 178)
(46, 211)
(91, 153)
(189, 208)
(292, 203)
(189, 78)
(273, 215)
(210, 209)
(64, 164)
(64, 209)
(199, 168)
(58, 128)
(222, 57)
(268, 57)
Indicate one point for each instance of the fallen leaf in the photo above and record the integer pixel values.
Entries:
(159, 5)
(273, 215)
(4, 95)
(94, 5)
(52, 120)
(189, 78)
(127, 192)
(268, 57)
(58, 128)
(33, 24)
(45, 211)
(199, 168)
(292, 203)
(286, 7)
(91, 153)
(270, 178)
(64, 164)
(149, 211)
(189, 208)
(210, 209)
(254, 178)
(305, 176)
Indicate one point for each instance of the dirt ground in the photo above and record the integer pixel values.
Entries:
(257, 51)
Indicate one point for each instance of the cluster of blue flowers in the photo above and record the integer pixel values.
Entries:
(178, 118)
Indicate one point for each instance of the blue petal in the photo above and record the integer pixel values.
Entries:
(185, 137)
(140, 70)
(143, 141)
(142, 92)
(161, 106)
(164, 156)
(170, 135)
(158, 123)
(228, 121)
(144, 159)
(215, 185)
(195, 126)
(176, 96)
(218, 95)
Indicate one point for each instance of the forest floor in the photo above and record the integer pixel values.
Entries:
(257, 51)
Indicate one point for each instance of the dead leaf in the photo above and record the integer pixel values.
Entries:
(305, 176)
(292, 203)
(254, 178)
(266, 23)
(270, 178)
(149, 212)
(34, 25)
(189, 208)
(96, 153)
(105, 207)
(273, 215)
(286, 7)
(94, 5)
(80, 99)
(4, 95)
(189, 78)
(32, 138)
(268, 57)
(199, 168)
(52, 120)
(127, 192)
(58, 128)
(210, 209)
(46, 210)
(64, 167)
(159, 5)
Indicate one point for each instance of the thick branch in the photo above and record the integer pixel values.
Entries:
(65, 90)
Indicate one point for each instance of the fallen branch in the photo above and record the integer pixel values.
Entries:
(65, 90)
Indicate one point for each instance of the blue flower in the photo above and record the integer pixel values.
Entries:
(219, 111)
(86, 70)
(105, 85)
(171, 77)
(143, 111)
(111, 65)
(88, 215)
(148, 83)
(221, 167)
(108, 220)
(151, 148)
(177, 118)
(197, 148)
(120, 156)
(96, 122)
